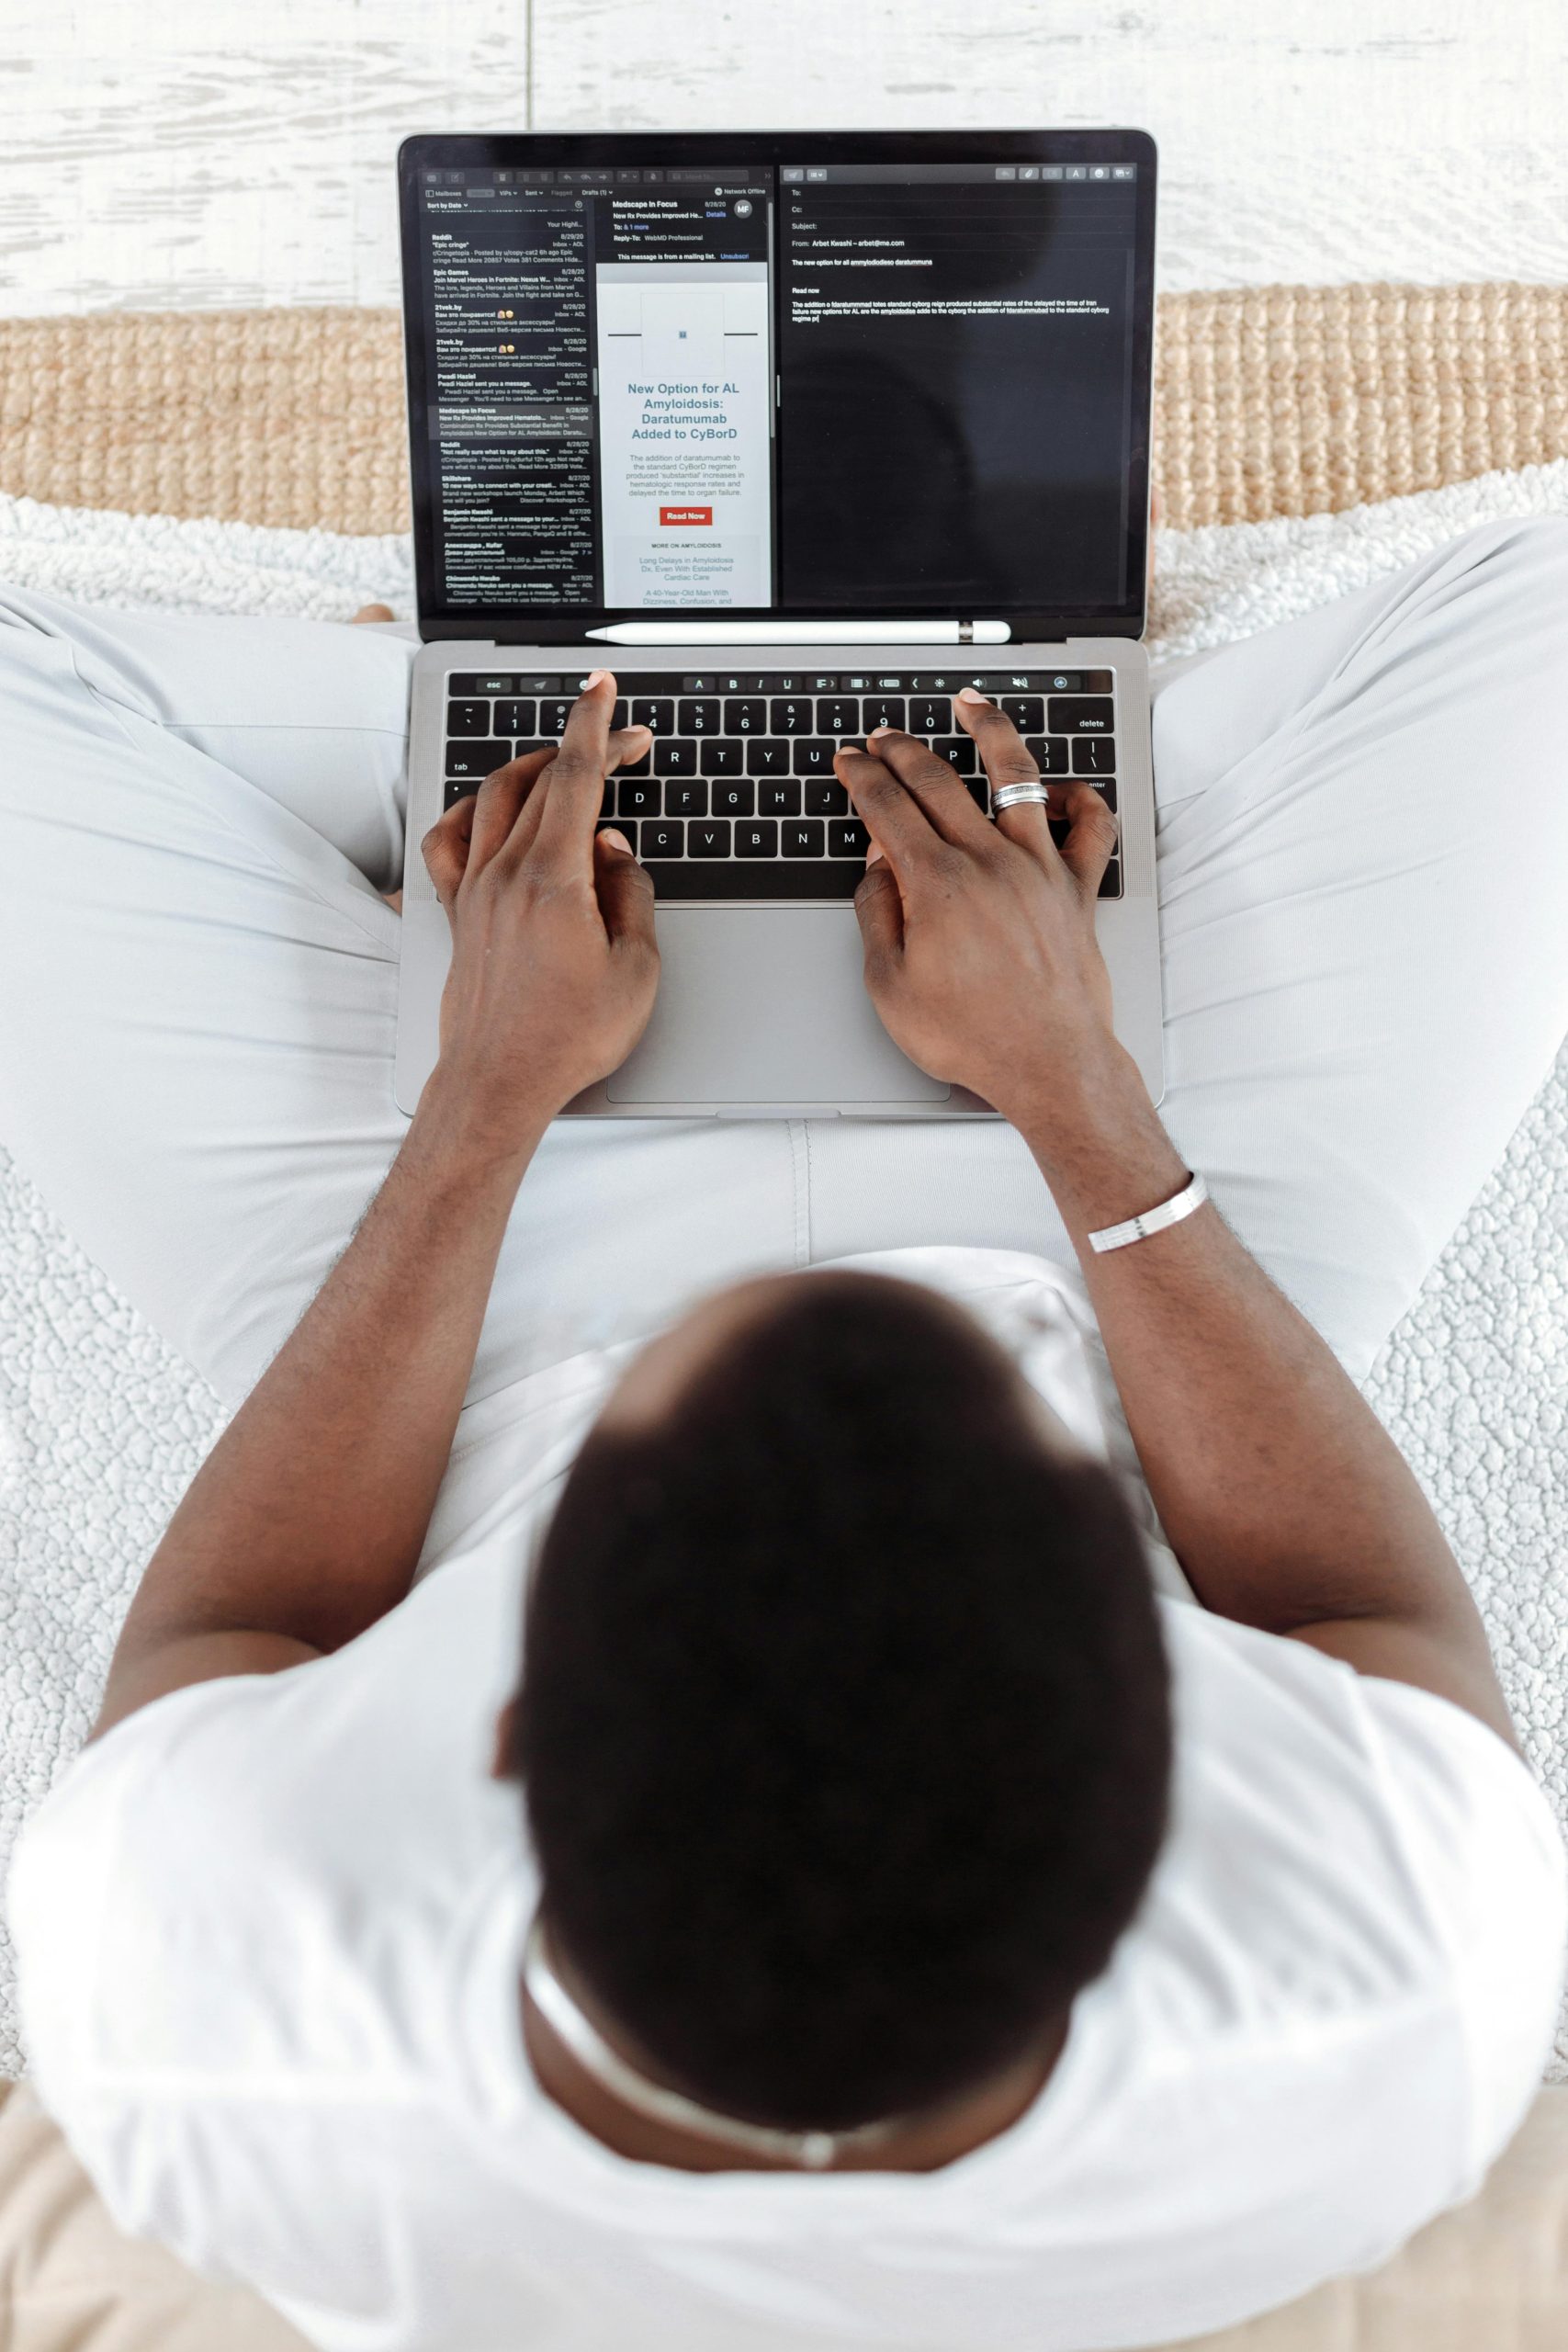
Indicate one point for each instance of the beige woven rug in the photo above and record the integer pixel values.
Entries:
(1278, 400)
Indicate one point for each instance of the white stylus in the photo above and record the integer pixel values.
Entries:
(802, 633)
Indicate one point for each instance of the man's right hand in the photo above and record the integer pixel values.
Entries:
(980, 948)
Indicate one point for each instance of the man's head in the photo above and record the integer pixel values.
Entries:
(844, 1732)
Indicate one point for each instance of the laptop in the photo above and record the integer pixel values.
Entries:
(798, 433)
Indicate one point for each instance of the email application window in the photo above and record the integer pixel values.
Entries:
(837, 387)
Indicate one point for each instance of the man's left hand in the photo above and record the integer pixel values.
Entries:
(555, 964)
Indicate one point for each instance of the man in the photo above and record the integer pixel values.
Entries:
(888, 1910)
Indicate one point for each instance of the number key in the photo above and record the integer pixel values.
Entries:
(656, 712)
(699, 718)
(837, 715)
(882, 710)
(554, 714)
(792, 718)
(931, 714)
(746, 718)
(516, 718)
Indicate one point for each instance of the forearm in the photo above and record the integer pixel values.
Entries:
(1284, 1499)
(308, 1518)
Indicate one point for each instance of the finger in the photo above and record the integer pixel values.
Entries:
(879, 911)
(1006, 759)
(1091, 843)
(502, 795)
(445, 849)
(625, 891)
(625, 748)
(944, 795)
(894, 817)
(469, 831)
(571, 806)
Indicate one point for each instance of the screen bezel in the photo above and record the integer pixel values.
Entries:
(513, 151)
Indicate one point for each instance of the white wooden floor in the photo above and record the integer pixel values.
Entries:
(237, 152)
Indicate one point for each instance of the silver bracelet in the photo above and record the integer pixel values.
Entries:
(1133, 1229)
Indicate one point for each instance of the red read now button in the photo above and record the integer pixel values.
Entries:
(684, 515)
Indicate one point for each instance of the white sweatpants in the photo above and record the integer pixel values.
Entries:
(1363, 861)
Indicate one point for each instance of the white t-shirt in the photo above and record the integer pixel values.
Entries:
(270, 1932)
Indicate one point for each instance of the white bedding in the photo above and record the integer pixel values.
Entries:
(101, 1425)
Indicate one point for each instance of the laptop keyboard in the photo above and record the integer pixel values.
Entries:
(737, 797)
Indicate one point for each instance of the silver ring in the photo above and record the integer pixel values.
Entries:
(1019, 796)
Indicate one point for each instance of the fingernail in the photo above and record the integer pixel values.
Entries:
(972, 693)
(615, 838)
(594, 678)
(872, 853)
(877, 731)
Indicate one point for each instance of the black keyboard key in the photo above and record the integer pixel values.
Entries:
(813, 755)
(656, 712)
(722, 756)
(882, 710)
(1081, 713)
(1049, 753)
(749, 716)
(931, 714)
(516, 718)
(959, 751)
(638, 798)
(781, 799)
(661, 839)
(638, 767)
(675, 755)
(607, 805)
(806, 839)
(468, 718)
(685, 799)
(979, 792)
(767, 756)
(849, 838)
(827, 799)
(759, 837)
(470, 682)
(622, 714)
(553, 716)
(791, 715)
(734, 799)
(837, 715)
(1111, 880)
(709, 838)
(761, 878)
(1027, 712)
(457, 790)
(1094, 754)
(477, 760)
(622, 825)
(699, 718)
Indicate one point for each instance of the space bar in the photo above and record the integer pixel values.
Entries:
(761, 878)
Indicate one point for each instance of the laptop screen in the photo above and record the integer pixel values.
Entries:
(773, 376)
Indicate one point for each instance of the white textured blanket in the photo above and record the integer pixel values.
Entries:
(101, 1425)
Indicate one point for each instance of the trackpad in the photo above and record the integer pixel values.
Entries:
(766, 1005)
